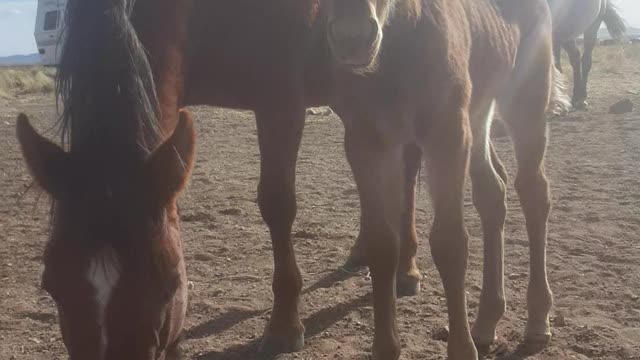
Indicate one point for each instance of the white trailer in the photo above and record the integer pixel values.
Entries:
(48, 31)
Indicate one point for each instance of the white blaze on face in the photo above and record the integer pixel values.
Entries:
(103, 274)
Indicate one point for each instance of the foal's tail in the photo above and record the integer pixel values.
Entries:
(615, 24)
(104, 78)
(559, 102)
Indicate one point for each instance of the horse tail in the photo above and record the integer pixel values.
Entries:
(559, 101)
(615, 24)
(104, 79)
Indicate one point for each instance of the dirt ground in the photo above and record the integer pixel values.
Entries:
(594, 250)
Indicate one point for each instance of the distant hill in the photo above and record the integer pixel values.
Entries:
(32, 59)
(603, 34)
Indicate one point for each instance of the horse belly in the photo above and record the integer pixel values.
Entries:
(571, 18)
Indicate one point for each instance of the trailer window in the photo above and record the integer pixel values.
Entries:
(51, 20)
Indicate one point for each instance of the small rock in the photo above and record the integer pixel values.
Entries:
(476, 287)
(233, 212)
(319, 111)
(560, 321)
(442, 334)
(515, 276)
(191, 285)
(621, 107)
(203, 257)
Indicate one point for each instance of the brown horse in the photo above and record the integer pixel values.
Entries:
(406, 77)
(113, 263)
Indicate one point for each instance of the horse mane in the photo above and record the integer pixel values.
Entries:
(104, 80)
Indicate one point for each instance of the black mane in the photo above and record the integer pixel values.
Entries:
(105, 82)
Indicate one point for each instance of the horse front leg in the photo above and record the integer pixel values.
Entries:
(280, 126)
(377, 169)
(447, 152)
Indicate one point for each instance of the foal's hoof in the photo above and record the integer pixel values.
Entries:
(407, 285)
(483, 344)
(536, 342)
(281, 344)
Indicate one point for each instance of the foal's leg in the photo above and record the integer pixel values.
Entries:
(525, 115)
(590, 39)
(447, 151)
(279, 134)
(574, 57)
(489, 198)
(408, 275)
(377, 169)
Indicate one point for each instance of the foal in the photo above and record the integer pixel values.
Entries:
(431, 73)
(113, 263)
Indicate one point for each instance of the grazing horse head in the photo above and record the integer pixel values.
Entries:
(113, 263)
(354, 30)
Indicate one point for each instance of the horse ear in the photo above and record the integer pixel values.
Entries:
(45, 160)
(170, 165)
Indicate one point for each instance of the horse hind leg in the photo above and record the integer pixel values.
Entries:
(523, 106)
(574, 58)
(489, 197)
(590, 40)
(408, 276)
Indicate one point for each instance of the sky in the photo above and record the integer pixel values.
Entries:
(17, 20)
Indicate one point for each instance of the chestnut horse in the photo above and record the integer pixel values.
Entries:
(113, 263)
(434, 71)
(406, 77)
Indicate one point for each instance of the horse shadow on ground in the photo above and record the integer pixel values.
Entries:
(314, 324)
(523, 351)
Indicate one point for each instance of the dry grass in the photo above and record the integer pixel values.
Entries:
(15, 81)
(616, 58)
(613, 59)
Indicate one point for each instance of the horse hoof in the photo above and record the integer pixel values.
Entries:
(580, 105)
(407, 285)
(483, 343)
(281, 344)
(536, 341)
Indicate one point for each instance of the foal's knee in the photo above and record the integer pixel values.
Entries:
(449, 247)
(533, 188)
(277, 202)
